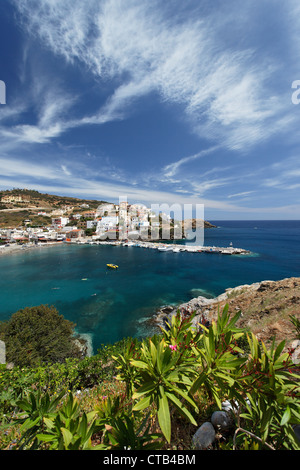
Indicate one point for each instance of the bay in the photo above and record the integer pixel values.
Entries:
(107, 305)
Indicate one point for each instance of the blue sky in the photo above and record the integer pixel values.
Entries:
(162, 101)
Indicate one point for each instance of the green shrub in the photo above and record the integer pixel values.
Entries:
(166, 377)
(38, 335)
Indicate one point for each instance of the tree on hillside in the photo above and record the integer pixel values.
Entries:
(36, 335)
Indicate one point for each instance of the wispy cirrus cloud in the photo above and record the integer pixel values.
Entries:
(285, 180)
(80, 180)
(59, 179)
(242, 194)
(49, 105)
(224, 90)
(172, 169)
(200, 64)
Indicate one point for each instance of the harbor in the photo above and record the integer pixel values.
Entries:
(167, 247)
(159, 246)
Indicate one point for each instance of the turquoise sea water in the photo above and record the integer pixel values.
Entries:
(107, 305)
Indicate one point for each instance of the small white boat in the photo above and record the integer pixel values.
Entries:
(226, 252)
(165, 248)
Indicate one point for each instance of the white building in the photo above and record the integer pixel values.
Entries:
(91, 223)
(107, 223)
(105, 209)
(60, 222)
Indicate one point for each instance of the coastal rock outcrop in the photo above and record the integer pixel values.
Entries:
(266, 308)
(192, 223)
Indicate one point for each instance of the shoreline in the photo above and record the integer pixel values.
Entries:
(201, 306)
(265, 306)
(168, 247)
(160, 246)
(16, 249)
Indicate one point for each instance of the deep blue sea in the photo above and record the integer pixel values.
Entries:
(107, 305)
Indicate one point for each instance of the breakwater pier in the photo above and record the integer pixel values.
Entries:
(168, 247)
(159, 246)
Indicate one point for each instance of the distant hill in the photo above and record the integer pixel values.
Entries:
(17, 205)
(193, 223)
(16, 198)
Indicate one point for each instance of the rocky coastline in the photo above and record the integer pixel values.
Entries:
(265, 308)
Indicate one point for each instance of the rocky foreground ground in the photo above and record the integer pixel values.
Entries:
(265, 306)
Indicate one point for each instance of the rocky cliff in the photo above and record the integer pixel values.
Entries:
(192, 223)
(265, 306)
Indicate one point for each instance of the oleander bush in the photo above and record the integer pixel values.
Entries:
(138, 393)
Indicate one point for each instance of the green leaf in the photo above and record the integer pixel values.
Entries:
(67, 436)
(167, 360)
(83, 425)
(217, 398)
(225, 377)
(286, 416)
(142, 404)
(163, 414)
(234, 320)
(91, 415)
(211, 343)
(186, 397)
(49, 422)
(198, 382)
(139, 364)
(45, 437)
(181, 408)
(153, 351)
(29, 423)
(146, 388)
(24, 405)
(279, 350)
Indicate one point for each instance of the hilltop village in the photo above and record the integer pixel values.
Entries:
(31, 217)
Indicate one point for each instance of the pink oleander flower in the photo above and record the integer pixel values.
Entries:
(173, 347)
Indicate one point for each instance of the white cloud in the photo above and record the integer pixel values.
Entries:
(222, 89)
(51, 106)
(170, 170)
(18, 173)
(283, 175)
(242, 194)
(58, 179)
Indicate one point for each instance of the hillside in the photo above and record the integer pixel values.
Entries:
(31, 199)
(265, 306)
(17, 205)
(192, 224)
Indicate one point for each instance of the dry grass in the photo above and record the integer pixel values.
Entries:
(266, 311)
